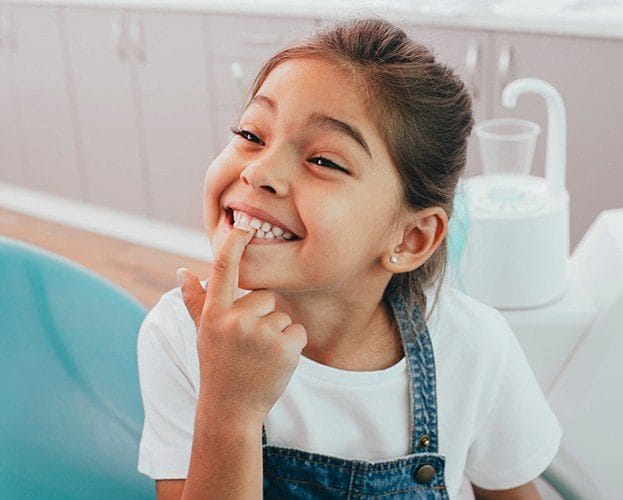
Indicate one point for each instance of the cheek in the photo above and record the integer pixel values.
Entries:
(334, 244)
(213, 177)
(210, 197)
(219, 175)
(215, 184)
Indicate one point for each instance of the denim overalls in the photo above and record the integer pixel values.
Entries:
(293, 473)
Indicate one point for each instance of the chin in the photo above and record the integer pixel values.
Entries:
(251, 283)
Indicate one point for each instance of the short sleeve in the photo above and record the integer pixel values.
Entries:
(520, 434)
(169, 397)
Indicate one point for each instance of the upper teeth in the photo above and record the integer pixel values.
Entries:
(263, 229)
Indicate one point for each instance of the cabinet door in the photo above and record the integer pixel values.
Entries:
(465, 51)
(240, 45)
(106, 104)
(42, 106)
(12, 157)
(172, 69)
(232, 82)
(586, 74)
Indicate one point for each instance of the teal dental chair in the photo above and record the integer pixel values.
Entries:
(71, 413)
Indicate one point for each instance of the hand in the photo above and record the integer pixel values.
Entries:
(247, 351)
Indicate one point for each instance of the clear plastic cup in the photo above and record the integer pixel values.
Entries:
(507, 145)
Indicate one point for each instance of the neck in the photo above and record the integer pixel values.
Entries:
(348, 331)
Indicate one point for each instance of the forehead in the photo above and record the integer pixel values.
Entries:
(311, 87)
(316, 83)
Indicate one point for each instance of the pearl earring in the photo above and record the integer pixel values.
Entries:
(393, 259)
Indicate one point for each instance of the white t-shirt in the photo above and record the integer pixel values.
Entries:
(496, 428)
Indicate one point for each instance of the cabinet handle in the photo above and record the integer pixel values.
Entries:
(12, 32)
(2, 29)
(471, 62)
(118, 30)
(7, 30)
(504, 64)
(238, 76)
(261, 38)
(137, 39)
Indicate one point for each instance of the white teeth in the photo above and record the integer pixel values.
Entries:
(263, 229)
(238, 224)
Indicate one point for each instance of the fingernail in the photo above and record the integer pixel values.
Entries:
(180, 276)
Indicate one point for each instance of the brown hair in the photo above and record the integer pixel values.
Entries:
(422, 111)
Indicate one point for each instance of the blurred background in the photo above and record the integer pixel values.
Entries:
(111, 112)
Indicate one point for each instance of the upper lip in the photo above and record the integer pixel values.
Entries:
(259, 213)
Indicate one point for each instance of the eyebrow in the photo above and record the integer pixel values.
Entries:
(318, 120)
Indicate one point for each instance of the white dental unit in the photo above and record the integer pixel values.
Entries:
(566, 310)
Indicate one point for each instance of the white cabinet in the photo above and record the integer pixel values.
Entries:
(12, 153)
(37, 139)
(175, 100)
(144, 103)
(108, 108)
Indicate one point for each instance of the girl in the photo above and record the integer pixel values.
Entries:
(324, 377)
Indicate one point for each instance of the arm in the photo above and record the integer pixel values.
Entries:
(226, 457)
(526, 491)
(169, 489)
(247, 354)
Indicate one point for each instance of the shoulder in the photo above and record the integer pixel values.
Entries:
(169, 387)
(472, 343)
(168, 327)
(469, 324)
(171, 304)
(512, 433)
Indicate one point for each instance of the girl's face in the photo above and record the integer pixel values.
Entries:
(308, 156)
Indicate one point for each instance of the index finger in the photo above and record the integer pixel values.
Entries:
(222, 289)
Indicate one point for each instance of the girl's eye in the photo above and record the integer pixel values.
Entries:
(245, 134)
(329, 163)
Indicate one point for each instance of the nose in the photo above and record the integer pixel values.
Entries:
(267, 173)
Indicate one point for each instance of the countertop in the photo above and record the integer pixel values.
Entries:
(589, 18)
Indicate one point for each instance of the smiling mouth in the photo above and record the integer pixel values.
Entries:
(229, 213)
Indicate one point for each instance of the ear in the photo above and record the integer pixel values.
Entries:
(416, 240)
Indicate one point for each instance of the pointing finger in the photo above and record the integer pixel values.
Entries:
(222, 288)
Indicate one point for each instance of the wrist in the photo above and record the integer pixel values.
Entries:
(227, 415)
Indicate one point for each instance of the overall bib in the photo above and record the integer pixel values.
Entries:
(293, 473)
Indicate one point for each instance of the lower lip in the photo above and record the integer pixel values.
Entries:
(261, 241)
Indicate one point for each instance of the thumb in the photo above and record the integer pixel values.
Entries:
(193, 293)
